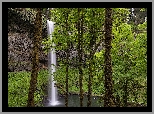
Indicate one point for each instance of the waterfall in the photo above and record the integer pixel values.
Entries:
(52, 91)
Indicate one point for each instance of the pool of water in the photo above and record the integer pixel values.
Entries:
(74, 101)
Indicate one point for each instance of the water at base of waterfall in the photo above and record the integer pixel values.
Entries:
(73, 101)
(54, 103)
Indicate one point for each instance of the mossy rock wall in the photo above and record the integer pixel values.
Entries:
(20, 37)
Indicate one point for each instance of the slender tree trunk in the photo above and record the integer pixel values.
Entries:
(35, 62)
(125, 92)
(91, 57)
(108, 100)
(66, 94)
(80, 60)
(90, 80)
(80, 33)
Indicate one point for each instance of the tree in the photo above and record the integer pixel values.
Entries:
(92, 43)
(108, 100)
(66, 13)
(35, 62)
(80, 48)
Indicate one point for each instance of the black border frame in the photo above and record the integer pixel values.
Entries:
(6, 5)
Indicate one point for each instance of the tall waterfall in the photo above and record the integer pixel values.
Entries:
(52, 91)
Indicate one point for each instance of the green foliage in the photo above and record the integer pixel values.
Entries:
(73, 83)
(120, 15)
(128, 52)
(129, 59)
(18, 87)
(142, 9)
(142, 26)
(92, 17)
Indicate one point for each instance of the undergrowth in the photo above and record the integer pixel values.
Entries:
(18, 87)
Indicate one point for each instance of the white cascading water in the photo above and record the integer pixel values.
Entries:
(52, 91)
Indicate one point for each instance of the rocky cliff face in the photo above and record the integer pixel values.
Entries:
(20, 47)
(20, 52)
(20, 37)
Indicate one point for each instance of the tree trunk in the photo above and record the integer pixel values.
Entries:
(66, 94)
(35, 62)
(125, 92)
(108, 100)
(92, 43)
(80, 34)
(90, 80)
